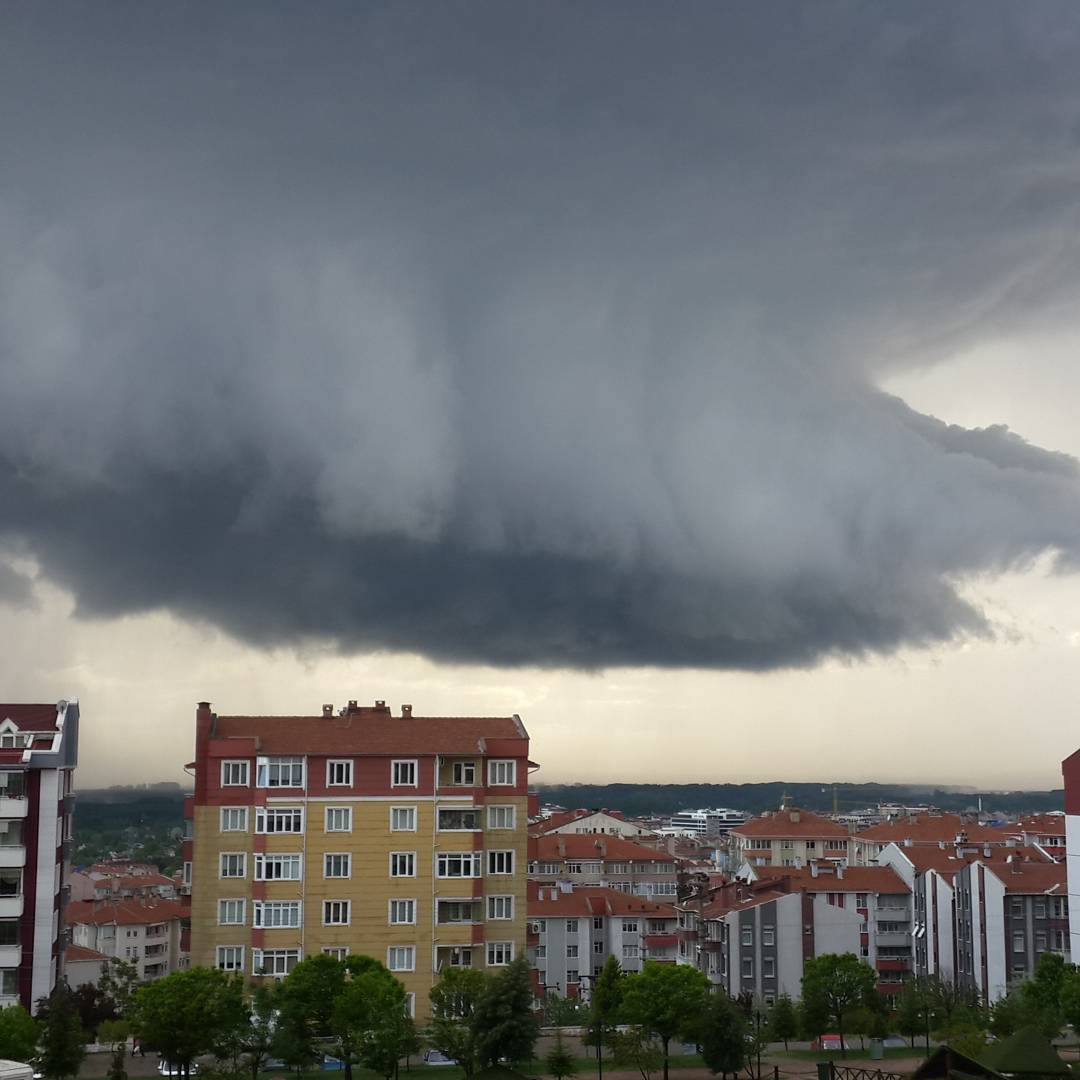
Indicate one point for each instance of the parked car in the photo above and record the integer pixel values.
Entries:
(437, 1057)
(167, 1068)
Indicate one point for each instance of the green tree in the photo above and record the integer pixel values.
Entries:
(1070, 998)
(63, 1041)
(189, 1013)
(1041, 995)
(454, 1001)
(252, 1039)
(666, 1000)
(783, 1020)
(115, 1033)
(118, 984)
(635, 1048)
(723, 1035)
(913, 1011)
(371, 1020)
(560, 1062)
(604, 1006)
(18, 1034)
(505, 1018)
(813, 1018)
(565, 1011)
(838, 983)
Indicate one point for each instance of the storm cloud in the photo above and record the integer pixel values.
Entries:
(531, 333)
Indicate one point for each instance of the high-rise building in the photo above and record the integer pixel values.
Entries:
(38, 752)
(354, 831)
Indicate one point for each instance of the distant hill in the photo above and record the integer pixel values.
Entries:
(138, 822)
(645, 799)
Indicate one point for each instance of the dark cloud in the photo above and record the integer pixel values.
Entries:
(530, 333)
(16, 590)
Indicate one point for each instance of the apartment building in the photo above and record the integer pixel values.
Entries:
(573, 932)
(96, 884)
(1046, 831)
(146, 933)
(929, 829)
(1070, 771)
(789, 837)
(356, 831)
(38, 754)
(605, 822)
(1007, 915)
(590, 861)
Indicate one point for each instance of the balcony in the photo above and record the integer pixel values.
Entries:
(11, 907)
(894, 963)
(661, 941)
(13, 807)
(10, 956)
(888, 938)
(12, 855)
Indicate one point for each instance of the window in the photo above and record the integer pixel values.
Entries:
(768, 935)
(464, 773)
(572, 976)
(278, 868)
(459, 864)
(231, 913)
(500, 907)
(402, 912)
(630, 952)
(768, 967)
(403, 774)
(811, 845)
(274, 961)
(403, 819)
(1017, 907)
(230, 957)
(234, 773)
(233, 864)
(573, 868)
(401, 958)
(500, 862)
(502, 773)
(836, 845)
(280, 772)
(748, 935)
(273, 819)
(860, 900)
(502, 952)
(502, 817)
(571, 926)
(339, 819)
(459, 820)
(338, 952)
(335, 913)
(1040, 940)
(1018, 942)
(234, 819)
(339, 773)
(598, 946)
(337, 864)
(598, 922)
(748, 967)
(629, 926)
(403, 864)
(571, 952)
(456, 911)
(275, 914)
(1040, 909)
(541, 952)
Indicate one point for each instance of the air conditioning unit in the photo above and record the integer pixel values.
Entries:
(534, 928)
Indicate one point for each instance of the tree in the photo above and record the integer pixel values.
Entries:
(604, 1008)
(189, 1013)
(559, 1061)
(635, 1048)
(813, 1018)
(253, 1039)
(504, 1017)
(723, 1035)
(115, 1033)
(838, 983)
(783, 1020)
(18, 1034)
(118, 984)
(913, 1011)
(1070, 998)
(454, 1001)
(63, 1041)
(1041, 994)
(371, 1021)
(666, 1000)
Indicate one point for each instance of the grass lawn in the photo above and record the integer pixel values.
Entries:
(852, 1052)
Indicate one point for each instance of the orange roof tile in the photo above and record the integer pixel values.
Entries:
(1029, 877)
(930, 828)
(74, 953)
(856, 879)
(556, 846)
(583, 903)
(368, 731)
(792, 824)
(30, 717)
(122, 912)
(946, 861)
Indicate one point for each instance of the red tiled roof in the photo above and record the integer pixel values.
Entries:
(946, 861)
(1047, 824)
(856, 879)
(583, 903)
(368, 731)
(793, 824)
(557, 821)
(122, 912)
(1028, 877)
(930, 828)
(30, 717)
(74, 953)
(593, 846)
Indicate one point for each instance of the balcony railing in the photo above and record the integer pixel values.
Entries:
(12, 806)
(12, 855)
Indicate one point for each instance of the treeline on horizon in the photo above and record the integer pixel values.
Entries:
(648, 799)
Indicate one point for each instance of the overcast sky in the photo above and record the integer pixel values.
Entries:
(697, 380)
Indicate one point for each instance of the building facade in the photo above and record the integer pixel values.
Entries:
(399, 837)
(146, 934)
(789, 837)
(590, 861)
(38, 754)
(604, 822)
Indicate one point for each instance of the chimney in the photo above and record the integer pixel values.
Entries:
(406, 712)
(814, 869)
(327, 711)
(561, 844)
(794, 817)
(839, 871)
(352, 705)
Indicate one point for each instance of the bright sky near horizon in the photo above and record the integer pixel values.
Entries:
(703, 388)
